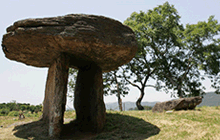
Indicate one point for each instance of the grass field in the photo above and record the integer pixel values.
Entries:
(201, 124)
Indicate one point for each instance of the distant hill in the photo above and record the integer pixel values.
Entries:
(210, 99)
(127, 105)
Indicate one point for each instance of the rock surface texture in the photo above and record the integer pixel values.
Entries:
(179, 104)
(91, 44)
(37, 42)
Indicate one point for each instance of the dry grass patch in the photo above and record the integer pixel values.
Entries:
(8, 124)
(201, 124)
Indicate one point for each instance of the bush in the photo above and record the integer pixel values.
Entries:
(5, 108)
(13, 113)
(145, 108)
(148, 107)
(32, 109)
(4, 111)
(29, 114)
(23, 107)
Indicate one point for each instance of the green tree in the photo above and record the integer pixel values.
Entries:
(4, 111)
(38, 108)
(157, 31)
(13, 106)
(32, 109)
(71, 82)
(114, 83)
(3, 105)
(23, 107)
(203, 40)
(171, 54)
(200, 52)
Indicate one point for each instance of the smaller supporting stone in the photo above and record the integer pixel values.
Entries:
(88, 99)
(48, 95)
(55, 95)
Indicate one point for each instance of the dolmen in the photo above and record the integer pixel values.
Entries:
(92, 44)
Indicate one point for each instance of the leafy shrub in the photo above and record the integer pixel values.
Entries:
(4, 111)
(14, 106)
(148, 107)
(13, 113)
(29, 115)
(23, 107)
(145, 108)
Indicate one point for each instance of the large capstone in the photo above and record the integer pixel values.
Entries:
(37, 42)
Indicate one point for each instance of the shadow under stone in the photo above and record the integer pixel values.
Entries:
(120, 126)
(37, 130)
(117, 126)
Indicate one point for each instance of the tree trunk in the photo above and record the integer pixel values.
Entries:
(88, 99)
(179, 92)
(120, 102)
(55, 95)
(119, 98)
(138, 102)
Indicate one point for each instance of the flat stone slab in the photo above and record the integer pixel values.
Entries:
(102, 40)
(179, 104)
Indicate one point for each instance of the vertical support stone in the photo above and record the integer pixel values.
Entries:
(48, 94)
(88, 99)
(55, 95)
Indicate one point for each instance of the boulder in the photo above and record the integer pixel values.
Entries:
(178, 104)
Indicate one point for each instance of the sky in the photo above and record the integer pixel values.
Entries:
(26, 84)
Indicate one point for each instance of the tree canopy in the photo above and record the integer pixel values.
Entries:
(170, 53)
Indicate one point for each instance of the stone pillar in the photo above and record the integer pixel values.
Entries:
(55, 95)
(48, 95)
(88, 99)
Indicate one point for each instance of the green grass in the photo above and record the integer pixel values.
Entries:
(70, 114)
(5, 121)
(200, 124)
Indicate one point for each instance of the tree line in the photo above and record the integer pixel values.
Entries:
(177, 57)
(145, 108)
(6, 108)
